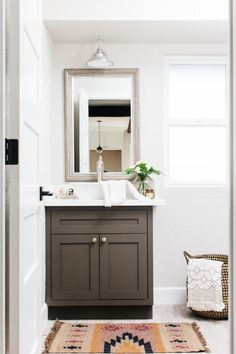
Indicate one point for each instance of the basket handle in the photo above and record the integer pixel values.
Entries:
(187, 256)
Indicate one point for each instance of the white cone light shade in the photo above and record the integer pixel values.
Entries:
(99, 59)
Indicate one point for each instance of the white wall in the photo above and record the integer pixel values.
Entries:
(192, 219)
(46, 90)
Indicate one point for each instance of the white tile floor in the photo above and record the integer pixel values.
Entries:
(216, 333)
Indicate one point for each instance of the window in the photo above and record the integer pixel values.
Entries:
(196, 110)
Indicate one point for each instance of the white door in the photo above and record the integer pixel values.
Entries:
(23, 180)
(233, 181)
(2, 177)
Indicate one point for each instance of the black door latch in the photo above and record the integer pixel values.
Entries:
(43, 193)
(11, 152)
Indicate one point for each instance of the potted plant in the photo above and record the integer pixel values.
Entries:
(142, 171)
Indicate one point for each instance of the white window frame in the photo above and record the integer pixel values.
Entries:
(187, 59)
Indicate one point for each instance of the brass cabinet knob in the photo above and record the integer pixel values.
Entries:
(94, 239)
(104, 239)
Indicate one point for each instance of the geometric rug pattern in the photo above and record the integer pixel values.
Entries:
(125, 338)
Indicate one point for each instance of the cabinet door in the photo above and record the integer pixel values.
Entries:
(123, 266)
(75, 267)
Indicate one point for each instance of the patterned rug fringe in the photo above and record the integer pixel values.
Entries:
(200, 336)
(49, 339)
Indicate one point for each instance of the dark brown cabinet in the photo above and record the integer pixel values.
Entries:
(99, 260)
(123, 267)
(75, 267)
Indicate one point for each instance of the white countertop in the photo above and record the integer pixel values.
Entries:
(51, 201)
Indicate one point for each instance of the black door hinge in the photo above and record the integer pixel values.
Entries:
(11, 152)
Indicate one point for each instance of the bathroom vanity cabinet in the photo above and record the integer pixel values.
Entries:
(99, 262)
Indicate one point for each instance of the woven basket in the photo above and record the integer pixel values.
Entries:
(223, 315)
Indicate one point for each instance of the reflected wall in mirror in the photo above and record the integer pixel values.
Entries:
(101, 117)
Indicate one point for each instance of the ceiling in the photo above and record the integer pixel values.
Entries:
(147, 32)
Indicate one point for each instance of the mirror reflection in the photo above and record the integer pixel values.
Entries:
(109, 134)
(102, 123)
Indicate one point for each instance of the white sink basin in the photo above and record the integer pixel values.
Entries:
(90, 194)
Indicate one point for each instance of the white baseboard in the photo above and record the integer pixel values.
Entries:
(169, 296)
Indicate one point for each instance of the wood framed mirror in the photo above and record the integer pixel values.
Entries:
(101, 112)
